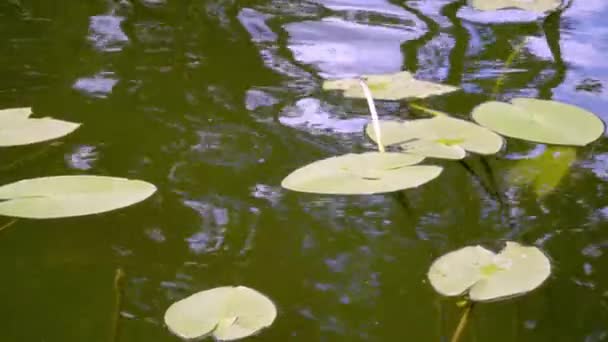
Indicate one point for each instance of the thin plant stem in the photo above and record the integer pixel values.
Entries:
(28, 157)
(493, 182)
(372, 109)
(118, 278)
(516, 51)
(486, 187)
(463, 323)
(401, 197)
(10, 223)
(427, 110)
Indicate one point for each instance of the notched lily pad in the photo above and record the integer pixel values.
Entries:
(17, 128)
(401, 85)
(66, 196)
(540, 121)
(438, 137)
(487, 276)
(359, 174)
(226, 313)
(539, 6)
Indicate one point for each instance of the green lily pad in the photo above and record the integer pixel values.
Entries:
(65, 196)
(14, 114)
(439, 137)
(16, 128)
(539, 6)
(365, 173)
(545, 172)
(540, 121)
(408, 138)
(398, 86)
(434, 149)
(488, 276)
(226, 313)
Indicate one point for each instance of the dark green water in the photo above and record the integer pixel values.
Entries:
(216, 101)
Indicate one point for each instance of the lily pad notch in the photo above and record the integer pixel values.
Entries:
(226, 313)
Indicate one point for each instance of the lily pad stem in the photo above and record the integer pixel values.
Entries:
(516, 50)
(463, 322)
(10, 223)
(118, 278)
(372, 109)
(28, 157)
(426, 110)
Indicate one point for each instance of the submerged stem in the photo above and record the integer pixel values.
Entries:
(118, 277)
(516, 50)
(28, 157)
(372, 109)
(10, 223)
(463, 323)
(427, 110)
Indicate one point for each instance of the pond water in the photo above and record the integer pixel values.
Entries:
(216, 101)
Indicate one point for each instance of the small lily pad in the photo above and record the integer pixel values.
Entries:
(539, 6)
(439, 137)
(66, 196)
(540, 121)
(401, 85)
(365, 173)
(16, 128)
(488, 276)
(226, 313)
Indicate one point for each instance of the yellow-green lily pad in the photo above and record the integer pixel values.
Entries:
(539, 6)
(438, 137)
(17, 128)
(361, 174)
(488, 276)
(542, 121)
(9, 115)
(398, 86)
(226, 313)
(434, 149)
(67, 196)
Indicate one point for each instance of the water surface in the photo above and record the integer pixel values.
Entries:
(216, 101)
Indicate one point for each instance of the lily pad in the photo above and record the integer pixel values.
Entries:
(401, 85)
(488, 276)
(14, 114)
(434, 149)
(539, 6)
(540, 121)
(439, 137)
(226, 313)
(16, 128)
(545, 172)
(365, 173)
(66, 196)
